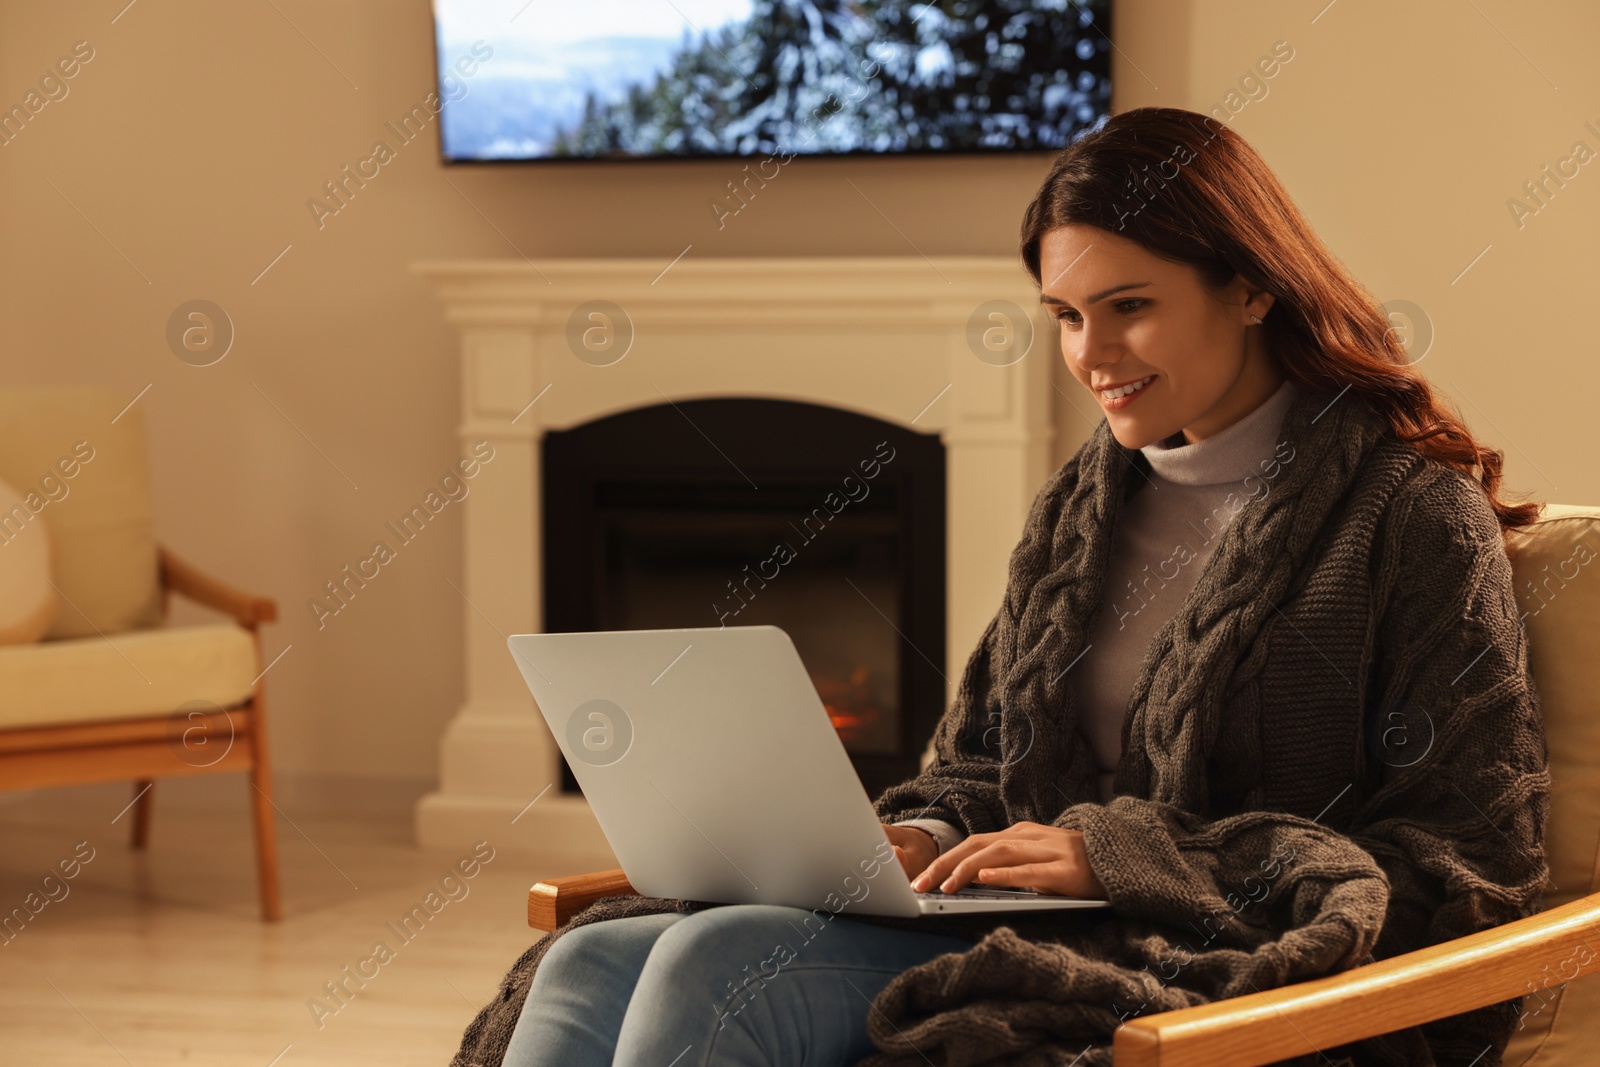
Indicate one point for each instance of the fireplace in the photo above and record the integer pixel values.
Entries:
(751, 511)
(859, 350)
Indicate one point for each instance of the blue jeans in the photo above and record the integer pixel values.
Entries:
(744, 984)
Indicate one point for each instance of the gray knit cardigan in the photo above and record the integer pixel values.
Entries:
(1332, 754)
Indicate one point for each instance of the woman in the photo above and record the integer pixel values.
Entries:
(1258, 679)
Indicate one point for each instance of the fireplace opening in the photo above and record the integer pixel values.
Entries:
(747, 511)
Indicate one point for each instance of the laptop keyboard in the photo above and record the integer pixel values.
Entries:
(982, 892)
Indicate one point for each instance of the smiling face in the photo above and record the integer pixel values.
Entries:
(1127, 315)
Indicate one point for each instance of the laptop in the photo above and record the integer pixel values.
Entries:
(714, 770)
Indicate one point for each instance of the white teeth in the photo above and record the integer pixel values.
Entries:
(1113, 394)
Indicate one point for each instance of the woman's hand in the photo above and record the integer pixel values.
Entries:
(1025, 855)
(915, 848)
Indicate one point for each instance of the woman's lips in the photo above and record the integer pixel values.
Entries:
(1123, 401)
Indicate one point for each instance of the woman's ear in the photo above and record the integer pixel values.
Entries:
(1256, 305)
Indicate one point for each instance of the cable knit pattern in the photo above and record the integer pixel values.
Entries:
(1333, 753)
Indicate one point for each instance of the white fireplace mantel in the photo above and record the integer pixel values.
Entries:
(895, 337)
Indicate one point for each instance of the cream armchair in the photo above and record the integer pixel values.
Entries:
(110, 693)
(1556, 563)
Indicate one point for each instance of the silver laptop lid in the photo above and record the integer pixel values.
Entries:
(713, 767)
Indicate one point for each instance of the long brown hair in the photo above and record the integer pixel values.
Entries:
(1189, 189)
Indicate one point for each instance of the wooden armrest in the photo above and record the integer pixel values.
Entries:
(553, 902)
(1521, 957)
(183, 578)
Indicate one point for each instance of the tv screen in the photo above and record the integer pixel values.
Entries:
(523, 80)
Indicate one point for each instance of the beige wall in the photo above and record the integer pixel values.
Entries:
(194, 138)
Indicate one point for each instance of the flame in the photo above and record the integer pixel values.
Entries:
(850, 704)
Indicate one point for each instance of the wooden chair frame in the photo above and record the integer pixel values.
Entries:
(32, 757)
(1531, 955)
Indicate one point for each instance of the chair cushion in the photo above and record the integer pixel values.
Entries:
(90, 477)
(128, 676)
(1556, 567)
(27, 601)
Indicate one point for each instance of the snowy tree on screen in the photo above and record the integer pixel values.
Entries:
(811, 76)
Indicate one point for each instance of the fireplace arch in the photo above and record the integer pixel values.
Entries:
(745, 511)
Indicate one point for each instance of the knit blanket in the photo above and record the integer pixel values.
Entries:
(1332, 754)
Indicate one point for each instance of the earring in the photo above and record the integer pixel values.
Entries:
(1255, 320)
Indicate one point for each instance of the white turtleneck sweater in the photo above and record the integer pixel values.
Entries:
(1169, 529)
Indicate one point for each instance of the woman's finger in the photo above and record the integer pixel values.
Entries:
(1040, 876)
(940, 867)
(1053, 858)
(1002, 852)
(943, 865)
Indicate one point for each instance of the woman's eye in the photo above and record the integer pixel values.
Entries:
(1128, 307)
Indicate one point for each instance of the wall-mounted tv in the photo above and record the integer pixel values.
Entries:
(549, 80)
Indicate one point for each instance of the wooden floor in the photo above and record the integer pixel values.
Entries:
(159, 957)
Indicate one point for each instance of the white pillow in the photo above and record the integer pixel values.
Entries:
(28, 602)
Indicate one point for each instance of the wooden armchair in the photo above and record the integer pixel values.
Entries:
(1536, 958)
(1533, 957)
(111, 694)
